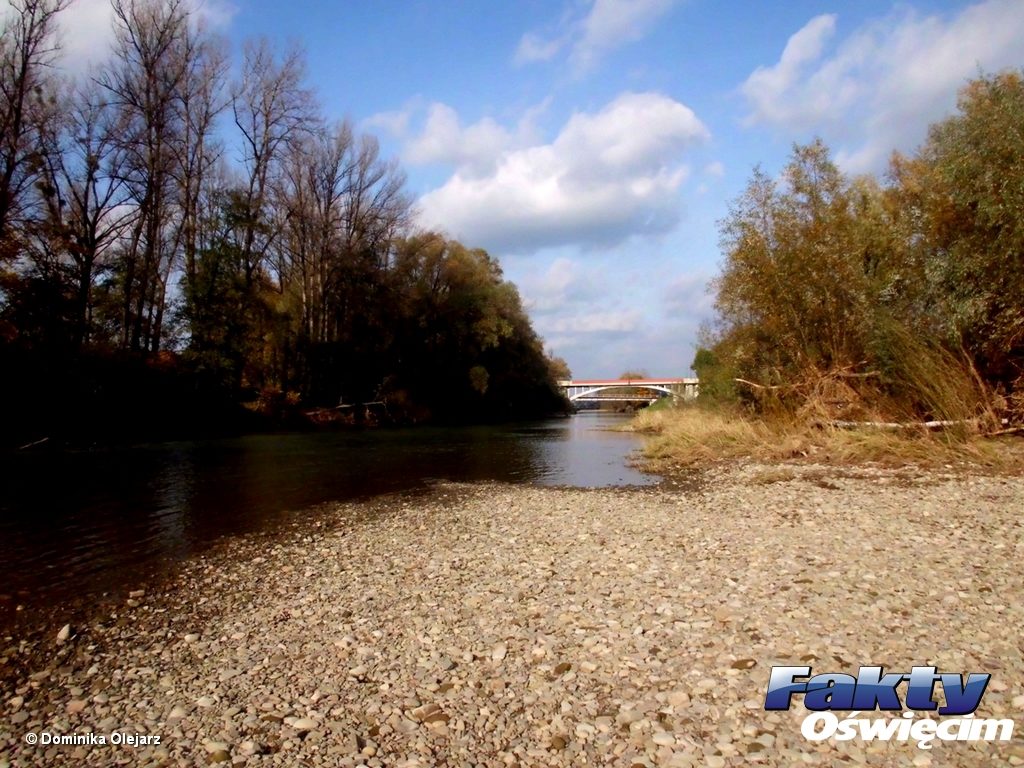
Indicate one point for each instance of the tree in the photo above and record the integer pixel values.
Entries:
(84, 200)
(28, 49)
(201, 101)
(151, 255)
(271, 110)
(795, 279)
(559, 369)
(144, 82)
(965, 189)
(464, 343)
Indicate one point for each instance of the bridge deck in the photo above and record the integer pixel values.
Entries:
(599, 390)
(624, 382)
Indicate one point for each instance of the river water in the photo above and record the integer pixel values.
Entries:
(76, 524)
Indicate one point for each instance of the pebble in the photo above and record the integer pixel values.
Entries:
(490, 625)
(75, 706)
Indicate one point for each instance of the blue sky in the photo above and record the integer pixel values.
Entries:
(593, 145)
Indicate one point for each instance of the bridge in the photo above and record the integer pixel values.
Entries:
(627, 390)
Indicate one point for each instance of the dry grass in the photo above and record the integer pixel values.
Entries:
(693, 435)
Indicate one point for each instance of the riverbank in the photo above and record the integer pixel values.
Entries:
(697, 435)
(510, 625)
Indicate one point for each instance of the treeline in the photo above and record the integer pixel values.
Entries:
(180, 233)
(893, 299)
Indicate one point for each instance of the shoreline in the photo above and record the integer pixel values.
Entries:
(514, 625)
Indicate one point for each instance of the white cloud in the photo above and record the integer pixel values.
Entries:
(86, 33)
(216, 14)
(606, 176)
(608, 25)
(612, 24)
(767, 88)
(561, 288)
(87, 28)
(616, 321)
(475, 148)
(533, 47)
(879, 88)
(608, 312)
(395, 122)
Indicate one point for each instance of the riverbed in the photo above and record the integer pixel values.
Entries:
(496, 624)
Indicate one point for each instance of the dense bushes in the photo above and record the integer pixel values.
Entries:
(851, 298)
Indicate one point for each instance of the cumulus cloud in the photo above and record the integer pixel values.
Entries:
(605, 177)
(605, 313)
(878, 88)
(606, 26)
(584, 308)
(443, 139)
(475, 148)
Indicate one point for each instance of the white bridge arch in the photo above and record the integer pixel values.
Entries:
(625, 390)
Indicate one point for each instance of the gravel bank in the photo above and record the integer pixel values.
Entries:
(493, 625)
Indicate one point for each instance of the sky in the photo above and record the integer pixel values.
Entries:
(593, 146)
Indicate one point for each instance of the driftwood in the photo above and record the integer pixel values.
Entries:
(896, 424)
(32, 445)
(920, 424)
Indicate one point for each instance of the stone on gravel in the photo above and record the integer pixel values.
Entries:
(496, 625)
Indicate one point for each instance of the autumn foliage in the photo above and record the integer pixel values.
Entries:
(895, 299)
(181, 235)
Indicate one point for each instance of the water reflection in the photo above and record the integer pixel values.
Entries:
(82, 523)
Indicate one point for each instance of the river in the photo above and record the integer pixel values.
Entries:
(78, 524)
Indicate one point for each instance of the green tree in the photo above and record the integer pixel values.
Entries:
(964, 193)
(792, 295)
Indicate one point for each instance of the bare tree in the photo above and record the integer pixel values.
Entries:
(202, 99)
(166, 80)
(28, 48)
(376, 210)
(271, 109)
(343, 208)
(84, 196)
(378, 207)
